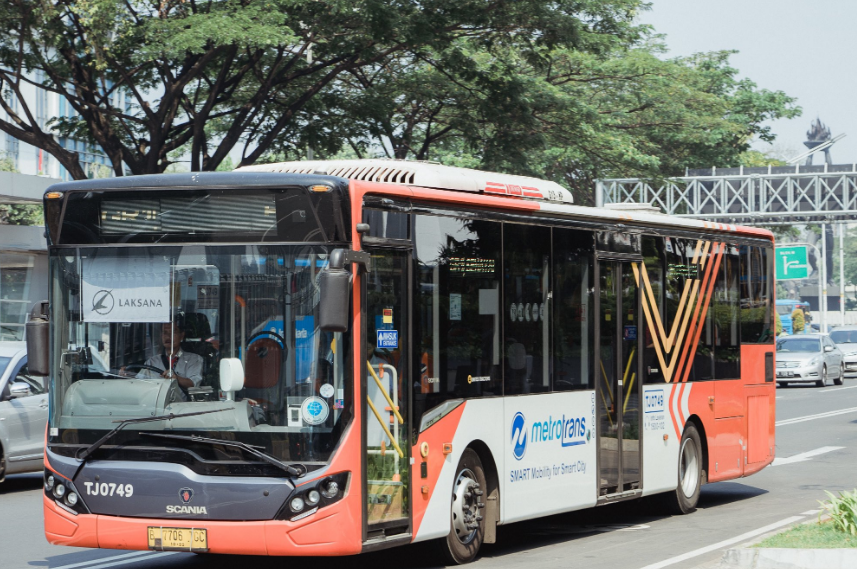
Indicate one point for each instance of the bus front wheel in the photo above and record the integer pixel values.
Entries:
(686, 496)
(467, 507)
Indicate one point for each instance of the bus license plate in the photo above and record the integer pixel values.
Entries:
(178, 539)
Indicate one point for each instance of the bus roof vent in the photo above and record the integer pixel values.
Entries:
(425, 174)
(634, 208)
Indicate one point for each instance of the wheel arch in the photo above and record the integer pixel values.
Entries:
(492, 494)
(703, 439)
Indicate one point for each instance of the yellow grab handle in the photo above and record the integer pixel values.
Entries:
(386, 429)
(384, 391)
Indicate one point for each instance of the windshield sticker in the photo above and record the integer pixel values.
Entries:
(314, 410)
(387, 314)
(134, 289)
(326, 391)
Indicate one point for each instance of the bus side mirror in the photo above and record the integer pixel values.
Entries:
(38, 340)
(335, 289)
(335, 292)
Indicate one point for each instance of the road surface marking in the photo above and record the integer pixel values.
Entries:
(814, 417)
(123, 562)
(104, 559)
(722, 544)
(804, 456)
(836, 389)
(810, 512)
(106, 562)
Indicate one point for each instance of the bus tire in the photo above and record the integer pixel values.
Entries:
(467, 508)
(686, 495)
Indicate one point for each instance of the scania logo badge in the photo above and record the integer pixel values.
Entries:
(186, 495)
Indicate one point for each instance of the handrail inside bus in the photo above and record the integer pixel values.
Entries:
(393, 406)
(385, 427)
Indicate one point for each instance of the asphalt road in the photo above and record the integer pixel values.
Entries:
(816, 451)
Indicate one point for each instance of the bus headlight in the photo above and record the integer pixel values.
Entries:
(308, 498)
(297, 504)
(71, 499)
(59, 490)
(329, 488)
(50, 482)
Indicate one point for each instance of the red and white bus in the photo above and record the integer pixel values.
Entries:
(333, 357)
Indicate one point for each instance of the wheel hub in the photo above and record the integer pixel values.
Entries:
(689, 468)
(466, 494)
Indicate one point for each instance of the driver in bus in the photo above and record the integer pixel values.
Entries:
(184, 367)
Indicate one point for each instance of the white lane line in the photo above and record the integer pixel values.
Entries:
(836, 389)
(722, 544)
(124, 562)
(810, 512)
(105, 559)
(804, 456)
(818, 416)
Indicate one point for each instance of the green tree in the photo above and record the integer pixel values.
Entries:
(147, 78)
(569, 115)
(798, 322)
(778, 323)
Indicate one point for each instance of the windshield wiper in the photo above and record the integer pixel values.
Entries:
(87, 452)
(250, 449)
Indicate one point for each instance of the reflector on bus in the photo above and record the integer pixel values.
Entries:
(425, 174)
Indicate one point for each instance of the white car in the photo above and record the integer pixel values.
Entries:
(846, 338)
(809, 357)
(23, 412)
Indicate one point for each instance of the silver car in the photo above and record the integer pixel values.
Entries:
(845, 338)
(809, 357)
(23, 412)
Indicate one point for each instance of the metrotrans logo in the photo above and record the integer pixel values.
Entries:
(568, 432)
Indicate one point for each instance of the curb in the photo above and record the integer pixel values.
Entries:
(754, 558)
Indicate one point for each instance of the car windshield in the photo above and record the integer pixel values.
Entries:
(142, 331)
(799, 345)
(844, 336)
(785, 310)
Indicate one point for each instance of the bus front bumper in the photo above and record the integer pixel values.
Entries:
(328, 533)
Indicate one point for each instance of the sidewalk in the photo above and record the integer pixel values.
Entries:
(749, 557)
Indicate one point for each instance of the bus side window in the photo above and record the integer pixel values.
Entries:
(572, 304)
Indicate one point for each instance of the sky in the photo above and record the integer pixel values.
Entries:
(806, 48)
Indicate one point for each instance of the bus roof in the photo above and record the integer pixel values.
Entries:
(425, 174)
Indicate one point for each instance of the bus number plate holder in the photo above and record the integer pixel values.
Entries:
(178, 539)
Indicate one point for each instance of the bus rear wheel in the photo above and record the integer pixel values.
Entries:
(465, 537)
(686, 496)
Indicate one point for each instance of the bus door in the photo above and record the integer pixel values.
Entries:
(618, 383)
(386, 381)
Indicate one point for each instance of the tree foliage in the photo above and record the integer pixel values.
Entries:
(148, 78)
(798, 323)
(18, 214)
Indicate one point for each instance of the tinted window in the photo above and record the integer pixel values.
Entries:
(653, 287)
(724, 314)
(756, 307)
(572, 309)
(457, 327)
(526, 280)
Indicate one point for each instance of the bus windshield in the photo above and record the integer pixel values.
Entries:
(141, 331)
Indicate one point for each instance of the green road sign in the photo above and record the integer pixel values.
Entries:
(791, 263)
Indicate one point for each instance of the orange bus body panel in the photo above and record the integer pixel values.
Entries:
(436, 435)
